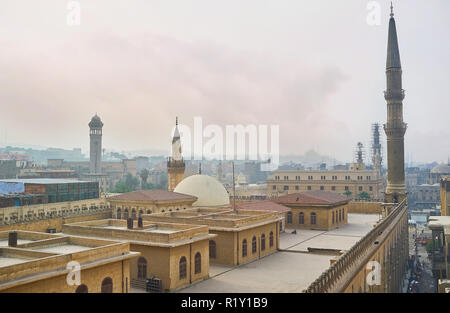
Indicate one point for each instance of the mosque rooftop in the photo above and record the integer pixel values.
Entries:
(225, 219)
(160, 234)
(40, 256)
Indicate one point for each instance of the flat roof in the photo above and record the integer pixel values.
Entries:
(62, 248)
(44, 181)
(161, 234)
(291, 269)
(218, 219)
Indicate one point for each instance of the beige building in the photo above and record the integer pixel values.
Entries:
(242, 235)
(266, 205)
(37, 262)
(318, 209)
(342, 182)
(175, 254)
(134, 204)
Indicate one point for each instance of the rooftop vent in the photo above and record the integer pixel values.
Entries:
(12, 239)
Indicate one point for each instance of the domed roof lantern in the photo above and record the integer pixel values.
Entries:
(96, 122)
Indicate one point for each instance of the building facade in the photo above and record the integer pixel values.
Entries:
(350, 183)
(321, 210)
(136, 203)
(242, 235)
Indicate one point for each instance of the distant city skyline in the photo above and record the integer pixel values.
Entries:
(316, 68)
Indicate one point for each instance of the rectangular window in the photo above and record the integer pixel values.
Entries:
(309, 187)
(286, 187)
(333, 188)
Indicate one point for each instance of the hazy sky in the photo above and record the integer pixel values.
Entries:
(316, 68)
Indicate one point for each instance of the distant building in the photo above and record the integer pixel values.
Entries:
(57, 190)
(351, 183)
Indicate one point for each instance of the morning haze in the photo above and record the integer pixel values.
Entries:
(316, 68)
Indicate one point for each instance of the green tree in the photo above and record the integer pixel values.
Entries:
(348, 193)
(127, 184)
(364, 196)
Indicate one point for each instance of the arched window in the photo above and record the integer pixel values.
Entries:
(119, 213)
(142, 268)
(141, 213)
(301, 218)
(212, 249)
(263, 242)
(133, 214)
(313, 218)
(271, 239)
(289, 217)
(244, 247)
(82, 289)
(125, 214)
(149, 211)
(183, 267)
(253, 245)
(332, 217)
(107, 285)
(198, 263)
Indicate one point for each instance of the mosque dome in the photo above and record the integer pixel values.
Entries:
(441, 169)
(95, 122)
(208, 190)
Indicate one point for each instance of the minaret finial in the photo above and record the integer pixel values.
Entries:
(176, 121)
(392, 10)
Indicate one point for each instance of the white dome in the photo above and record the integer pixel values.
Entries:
(208, 190)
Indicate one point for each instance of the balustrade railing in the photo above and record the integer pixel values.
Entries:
(332, 276)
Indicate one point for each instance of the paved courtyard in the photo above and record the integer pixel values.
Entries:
(292, 269)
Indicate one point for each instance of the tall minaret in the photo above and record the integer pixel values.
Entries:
(175, 164)
(95, 132)
(394, 128)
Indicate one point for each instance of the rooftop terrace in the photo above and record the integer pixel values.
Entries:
(223, 219)
(40, 255)
(151, 233)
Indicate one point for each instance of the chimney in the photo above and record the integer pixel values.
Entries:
(130, 223)
(12, 239)
(140, 222)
